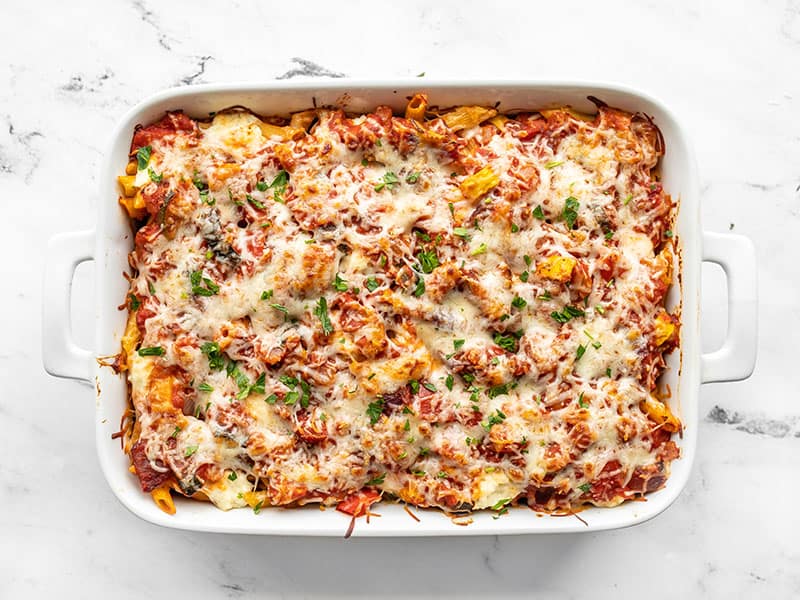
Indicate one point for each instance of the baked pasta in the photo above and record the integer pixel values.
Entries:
(450, 308)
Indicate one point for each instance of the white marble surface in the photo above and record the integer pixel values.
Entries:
(729, 70)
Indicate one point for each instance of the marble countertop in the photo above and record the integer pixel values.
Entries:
(729, 71)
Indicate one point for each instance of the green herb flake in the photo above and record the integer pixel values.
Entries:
(506, 342)
(420, 288)
(134, 302)
(581, 402)
(518, 302)
(585, 487)
(429, 386)
(216, 360)
(538, 213)
(412, 177)
(204, 387)
(154, 177)
(389, 180)
(668, 233)
(202, 286)
(570, 212)
(462, 232)
(479, 250)
(377, 480)
(152, 351)
(374, 411)
(514, 228)
(257, 203)
(457, 344)
(597, 345)
(271, 399)
(497, 390)
(190, 450)
(371, 284)
(414, 385)
(262, 186)
(600, 309)
(257, 507)
(523, 277)
(279, 185)
(608, 372)
(143, 157)
(428, 260)
(448, 382)
(501, 503)
(266, 295)
(580, 352)
(321, 311)
(553, 164)
(339, 284)
(232, 476)
(569, 312)
(628, 198)
(175, 433)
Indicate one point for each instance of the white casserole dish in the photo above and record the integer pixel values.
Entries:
(108, 246)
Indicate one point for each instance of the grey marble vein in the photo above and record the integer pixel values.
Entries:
(306, 68)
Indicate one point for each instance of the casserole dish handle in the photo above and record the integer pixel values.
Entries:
(60, 355)
(736, 358)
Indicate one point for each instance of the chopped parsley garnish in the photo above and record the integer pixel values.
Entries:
(428, 260)
(628, 198)
(175, 433)
(523, 277)
(321, 311)
(216, 360)
(271, 399)
(448, 382)
(585, 487)
(204, 387)
(479, 250)
(134, 302)
(570, 212)
(609, 234)
(154, 177)
(152, 351)
(494, 419)
(339, 284)
(457, 344)
(257, 507)
(414, 385)
(232, 476)
(497, 390)
(569, 312)
(279, 185)
(600, 309)
(501, 503)
(189, 451)
(374, 411)
(254, 202)
(412, 177)
(545, 296)
(514, 228)
(597, 345)
(371, 284)
(527, 260)
(581, 402)
(441, 475)
(429, 386)
(518, 302)
(553, 163)
(608, 372)
(538, 213)
(151, 288)
(462, 232)
(280, 307)
(262, 186)
(266, 295)
(377, 480)
(507, 342)
(143, 157)
(418, 473)
(580, 352)
(258, 386)
(208, 289)
(420, 289)
(668, 233)
(389, 180)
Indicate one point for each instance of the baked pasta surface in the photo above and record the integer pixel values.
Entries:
(457, 309)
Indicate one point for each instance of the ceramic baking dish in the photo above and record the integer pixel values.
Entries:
(108, 246)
